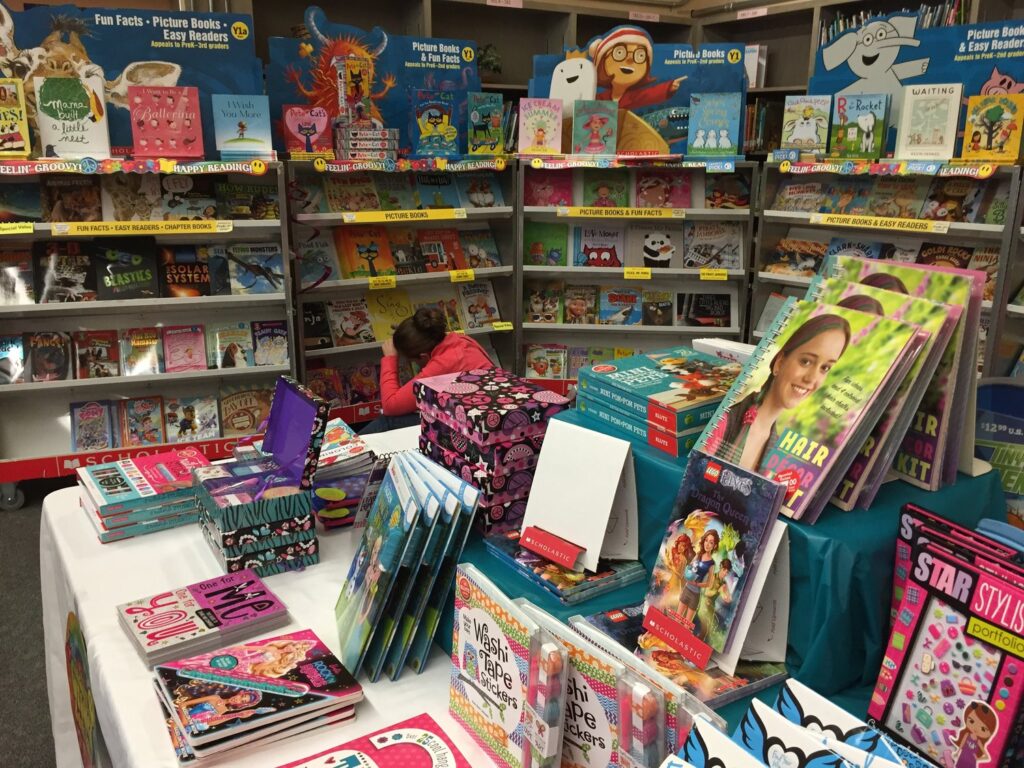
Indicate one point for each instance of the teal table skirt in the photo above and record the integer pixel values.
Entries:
(841, 572)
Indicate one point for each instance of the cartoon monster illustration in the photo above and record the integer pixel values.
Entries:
(601, 257)
(574, 79)
(999, 84)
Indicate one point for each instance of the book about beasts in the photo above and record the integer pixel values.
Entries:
(243, 408)
(396, 192)
(547, 187)
(659, 308)
(434, 131)
(581, 304)
(544, 302)
(661, 188)
(98, 354)
(620, 305)
(307, 132)
(484, 135)
(126, 268)
(188, 419)
(71, 117)
(20, 201)
(441, 249)
(479, 249)
(846, 196)
(247, 202)
(184, 271)
(72, 198)
(141, 352)
(270, 342)
(796, 257)
(92, 426)
(478, 304)
(17, 284)
(898, 197)
(953, 199)
(815, 387)
(726, 190)
(928, 121)
(350, 321)
(12, 359)
(437, 190)
(364, 251)
(713, 244)
(479, 190)
(351, 192)
(166, 121)
(859, 125)
(256, 268)
(241, 125)
(184, 348)
(142, 421)
(599, 246)
(540, 126)
(229, 345)
(992, 127)
(595, 126)
(48, 356)
(189, 198)
(131, 197)
(545, 244)
(604, 189)
(317, 256)
(714, 126)
(798, 195)
(14, 137)
(805, 123)
(654, 245)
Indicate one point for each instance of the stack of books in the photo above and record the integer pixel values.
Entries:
(254, 693)
(200, 617)
(487, 426)
(141, 495)
(663, 398)
(341, 475)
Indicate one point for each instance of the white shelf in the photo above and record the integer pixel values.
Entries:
(956, 229)
(757, 334)
(126, 306)
(550, 213)
(772, 277)
(617, 272)
(362, 283)
(1015, 309)
(328, 351)
(133, 381)
(472, 214)
(656, 329)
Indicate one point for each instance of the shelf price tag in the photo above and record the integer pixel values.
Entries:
(637, 273)
(501, 325)
(382, 282)
(880, 222)
(384, 217)
(620, 213)
(16, 228)
(461, 275)
(711, 273)
(79, 228)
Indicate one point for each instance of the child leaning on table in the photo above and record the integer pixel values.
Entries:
(423, 339)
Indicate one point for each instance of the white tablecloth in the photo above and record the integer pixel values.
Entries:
(81, 575)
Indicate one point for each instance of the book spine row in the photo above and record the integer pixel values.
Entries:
(947, 14)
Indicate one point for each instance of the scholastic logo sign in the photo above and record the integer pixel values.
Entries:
(712, 472)
(604, 369)
(465, 590)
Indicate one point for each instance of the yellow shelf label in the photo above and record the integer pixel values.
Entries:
(461, 275)
(637, 273)
(16, 228)
(77, 228)
(384, 217)
(502, 325)
(710, 273)
(459, 330)
(880, 222)
(620, 213)
(382, 282)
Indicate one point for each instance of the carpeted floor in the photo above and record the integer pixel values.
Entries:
(25, 738)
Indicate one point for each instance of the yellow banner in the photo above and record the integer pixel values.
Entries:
(462, 275)
(502, 325)
(710, 273)
(16, 228)
(880, 222)
(637, 273)
(78, 228)
(382, 282)
(621, 213)
(379, 217)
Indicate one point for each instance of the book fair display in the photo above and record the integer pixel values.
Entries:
(665, 378)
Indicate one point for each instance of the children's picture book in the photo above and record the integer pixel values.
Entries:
(141, 420)
(479, 190)
(247, 202)
(270, 342)
(898, 197)
(479, 306)
(350, 321)
(714, 127)
(727, 190)
(63, 272)
(986, 260)
(364, 251)
(797, 195)
(126, 268)
(547, 187)
(992, 127)
(658, 308)
(131, 197)
(351, 192)
(241, 125)
(16, 280)
(864, 249)
(581, 304)
(316, 328)
(71, 117)
(396, 191)
(713, 244)
(141, 352)
(479, 249)
(484, 133)
(166, 121)
(662, 188)
(595, 126)
(48, 356)
(189, 198)
(709, 555)
(945, 255)
(655, 245)
(14, 138)
(354, 81)
(184, 271)
(836, 405)
(545, 243)
(317, 256)
(98, 354)
(405, 251)
(766, 734)
(20, 201)
(600, 246)
(801, 258)
(243, 408)
(418, 742)
(544, 302)
(545, 361)
(387, 310)
(540, 126)
(307, 132)
(846, 195)
(928, 121)
(953, 199)
(445, 301)
(12, 359)
(434, 131)
(620, 305)
(191, 418)
(184, 348)
(859, 125)
(605, 189)
(713, 308)
(92, 426)
(255, 268)
(440, 249)
(995, 202)
(72, 198)
(805, 123)
(437, 190)
(229, 345)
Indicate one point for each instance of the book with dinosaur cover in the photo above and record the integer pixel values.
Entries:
(241, 126)
(72, 198)
(184, 348)
(350, 321)
(98, 354)
(166, 121)
(131, 197)
(141, 352)
(255, 268)
(14, 138)
(859, 125)
(48, 356)
(187, 419)
(809, 397)
(16, 278)
(928, 121)
(805, 123)
(71, 117)
(540, 126)
(126, 268)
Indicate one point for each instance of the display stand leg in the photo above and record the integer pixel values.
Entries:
(12, 498)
